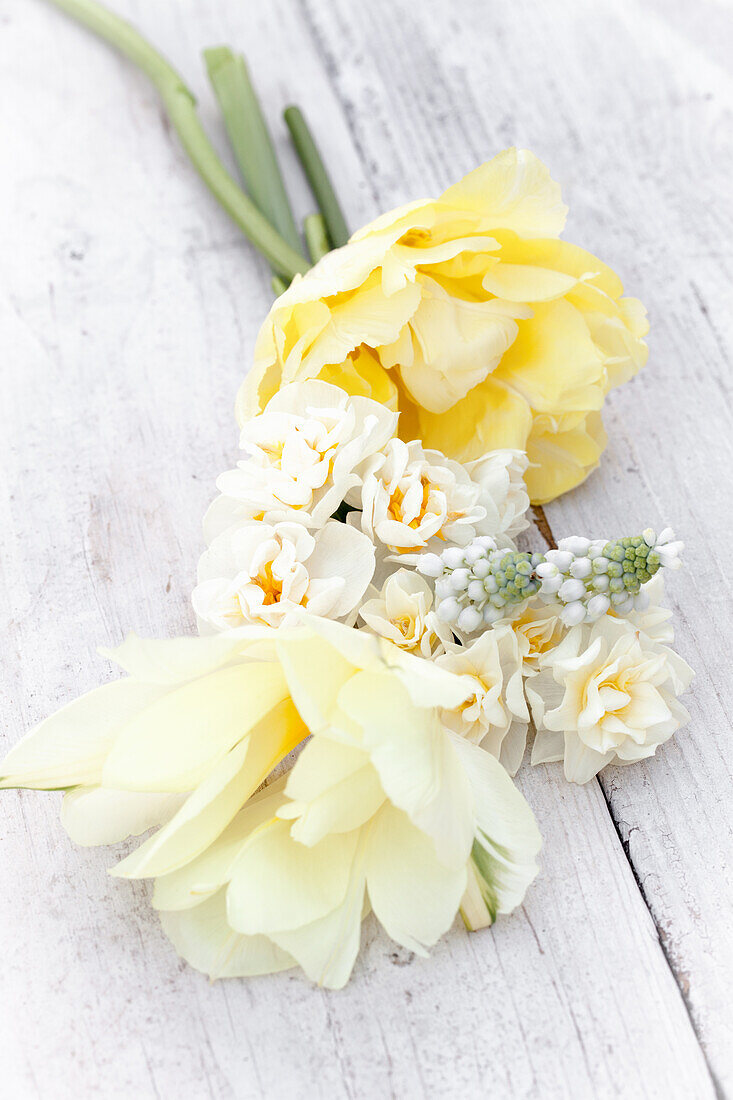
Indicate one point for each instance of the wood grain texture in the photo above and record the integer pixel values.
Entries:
(128, 314)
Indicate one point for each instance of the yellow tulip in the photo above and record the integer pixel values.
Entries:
(471, 317)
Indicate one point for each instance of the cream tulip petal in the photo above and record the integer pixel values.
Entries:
(413, 895)
(174, 660)
(174, 742)
(213, 804)
(278, 885)
(506, 832)
(507, 837)
(203, 937)
(203, 876)
(426, 683)
(95, 815)
(315, 672)
(327, 948)
(333, 788)
(71, 746)
(513, 191)
(417, 765)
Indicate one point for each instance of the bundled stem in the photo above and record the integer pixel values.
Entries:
(316, 236)
(318, 178)
(250, 140)
(181, 107)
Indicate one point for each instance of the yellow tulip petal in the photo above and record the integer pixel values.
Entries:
(525, 283)
(554, 364)
(95, 815)
(362, 375)
(204, 938)
(561, 256)
(454, 345)
(71, 746)
(560, 460)
(210, 808)
(513, 191)
(492, 416)
(363, 317)
(172, 744)
(412, 894)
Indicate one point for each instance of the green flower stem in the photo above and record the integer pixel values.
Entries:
(181, 107)
(315, 170)
(279, 286)
(250, 139)
(316, 236)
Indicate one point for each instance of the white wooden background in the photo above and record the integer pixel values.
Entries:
(128, 312)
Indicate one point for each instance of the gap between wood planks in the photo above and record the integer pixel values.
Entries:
(543, 526)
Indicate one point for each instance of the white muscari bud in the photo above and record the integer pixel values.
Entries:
(581, 568)
(574, 545)
(459, 579)
(472, 553)
(476, 591)
(573, 614)
(449, 610)
(443, 587)
(430, 565)
(563, 559)
(453, 557)
(470, 619)
(598, 606)
(571, 590)
(478, 584)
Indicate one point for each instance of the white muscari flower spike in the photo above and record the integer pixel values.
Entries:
(478, 584)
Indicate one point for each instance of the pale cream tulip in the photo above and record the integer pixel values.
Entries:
(384, 809)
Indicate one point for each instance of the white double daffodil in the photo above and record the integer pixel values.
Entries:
(304, 453)
(258, 573)
(606, 694)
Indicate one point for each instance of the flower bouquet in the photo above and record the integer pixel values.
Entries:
(376, 650)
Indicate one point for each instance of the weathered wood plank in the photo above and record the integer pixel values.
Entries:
(130, 307)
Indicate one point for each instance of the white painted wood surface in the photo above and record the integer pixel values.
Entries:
(128, 312)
